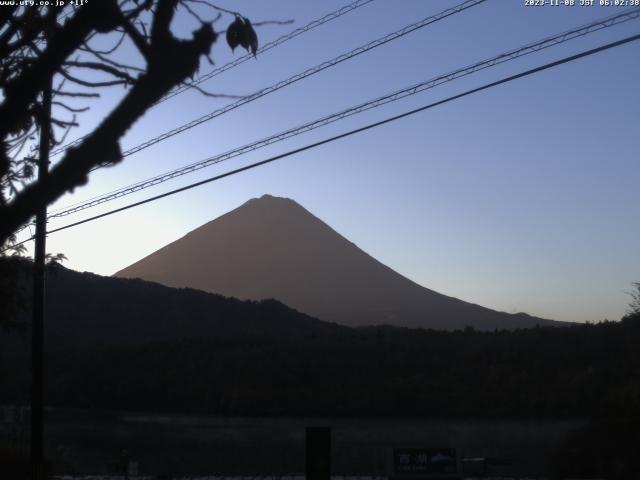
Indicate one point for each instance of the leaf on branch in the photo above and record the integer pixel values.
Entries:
(241, 32)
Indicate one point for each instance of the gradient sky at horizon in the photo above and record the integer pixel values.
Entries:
(519, 198)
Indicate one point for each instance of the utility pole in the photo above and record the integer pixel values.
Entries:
(38, 465)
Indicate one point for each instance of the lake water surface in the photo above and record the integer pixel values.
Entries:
(97, 442)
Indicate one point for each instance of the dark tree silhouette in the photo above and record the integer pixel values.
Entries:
(229, 357)
(39, 45)
(634, 305)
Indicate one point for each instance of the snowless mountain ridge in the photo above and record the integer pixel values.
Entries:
(271, 247)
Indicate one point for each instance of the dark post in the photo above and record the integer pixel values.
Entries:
(37, 325)
(318, 453)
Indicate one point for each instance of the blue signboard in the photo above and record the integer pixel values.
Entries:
(425, 462)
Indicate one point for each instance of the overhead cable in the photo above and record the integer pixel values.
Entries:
(234, 63)
(351, 132)
(392, 97)
(302, 75)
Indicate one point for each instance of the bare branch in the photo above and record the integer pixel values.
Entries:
(215, 7)
(273, 22)
(112, 62)
(172, 62)
(76, 94)
(64, 123)
(23, 89)
(192, 13)
(108, 51)
(134, 12)
(68, 108)
(137, 39)
(86, 83)
(105, 68)
(213, 95)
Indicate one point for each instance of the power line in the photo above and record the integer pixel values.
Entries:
(268, 46)
(353, 132)
(302, 75)
(234, 63)
(400, 94)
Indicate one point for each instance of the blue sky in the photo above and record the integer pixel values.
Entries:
(520, 198)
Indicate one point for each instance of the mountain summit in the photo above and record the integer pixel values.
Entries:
(271, 247)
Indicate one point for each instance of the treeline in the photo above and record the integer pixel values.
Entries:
(88, 312)
(581, 371)
(120, 344)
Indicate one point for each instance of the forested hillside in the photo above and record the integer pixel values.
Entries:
(577, 371)
(87, 312)
(134, 345)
